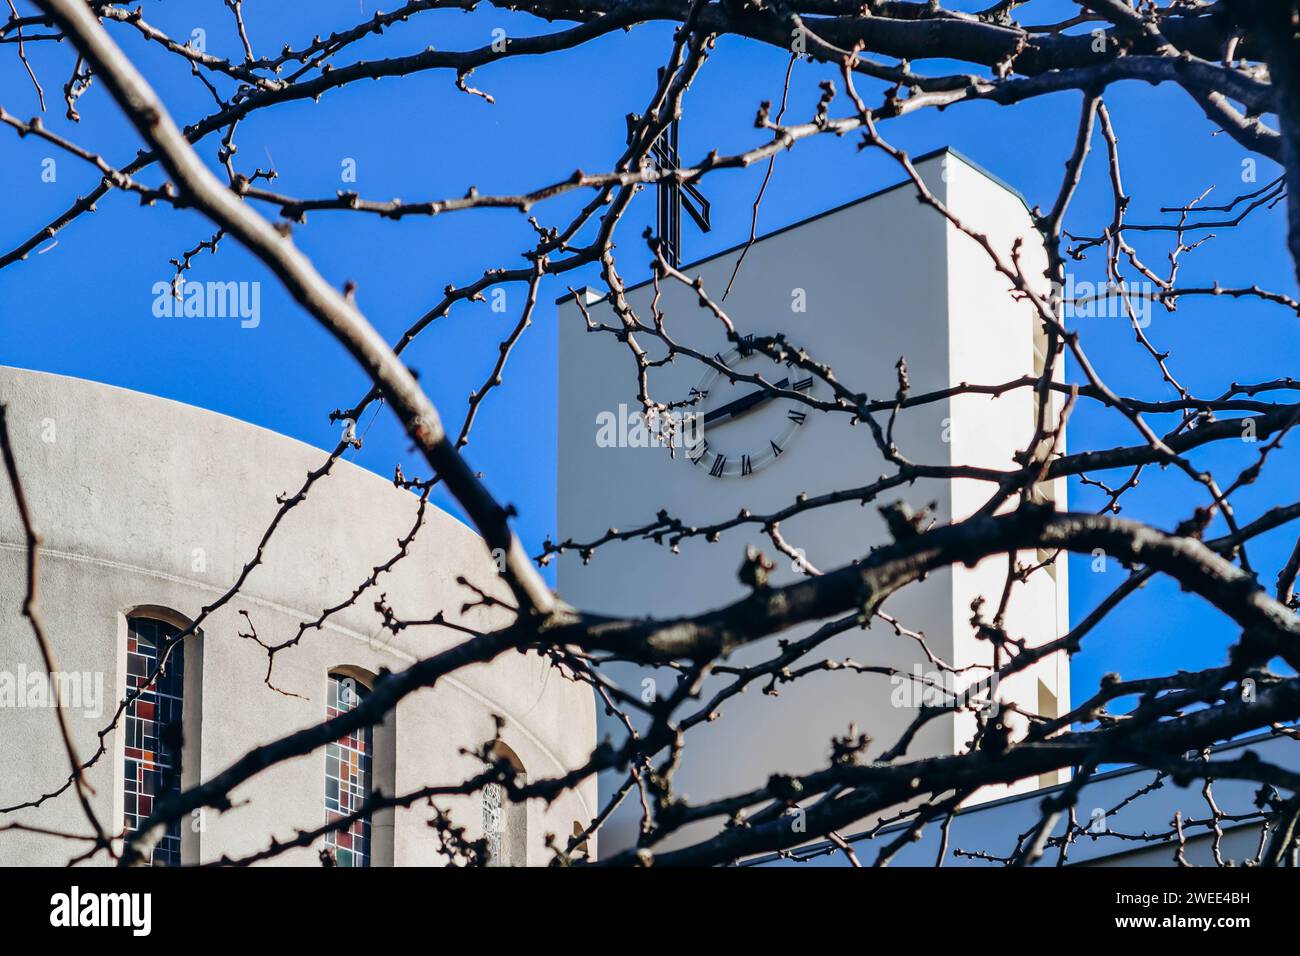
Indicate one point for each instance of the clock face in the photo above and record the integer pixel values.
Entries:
(741, 427)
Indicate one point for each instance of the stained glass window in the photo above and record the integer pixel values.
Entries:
(348, 776)
(494, 798)
(153, 730)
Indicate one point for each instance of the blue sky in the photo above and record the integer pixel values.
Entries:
(82, 307)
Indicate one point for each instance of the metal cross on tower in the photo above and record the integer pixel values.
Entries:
(668, 222)
(674, 196)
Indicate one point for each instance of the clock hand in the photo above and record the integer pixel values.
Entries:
(742, 404)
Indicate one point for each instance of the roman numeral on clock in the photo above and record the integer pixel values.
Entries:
(719, 464)
(776, 449)
(803, 384)
(797, 416)
(746, 466)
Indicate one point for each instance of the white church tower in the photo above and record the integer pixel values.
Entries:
(857, 287)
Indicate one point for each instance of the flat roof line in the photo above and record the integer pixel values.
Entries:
(924, 157)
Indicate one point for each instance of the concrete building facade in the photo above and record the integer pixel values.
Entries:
(858, 287)
(149, 510)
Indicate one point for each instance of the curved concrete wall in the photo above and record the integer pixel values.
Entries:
(147, 503)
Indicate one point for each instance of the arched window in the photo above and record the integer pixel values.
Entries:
(505, 822)
(581, 846)
(348, 775)
(154, 736)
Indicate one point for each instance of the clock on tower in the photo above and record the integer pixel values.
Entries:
(742, 426)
